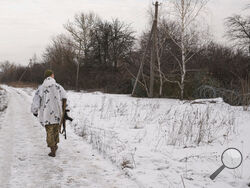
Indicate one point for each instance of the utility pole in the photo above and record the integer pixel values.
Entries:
(153, 41)
(153, 52)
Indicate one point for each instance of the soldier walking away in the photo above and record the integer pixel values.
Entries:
(49, 104)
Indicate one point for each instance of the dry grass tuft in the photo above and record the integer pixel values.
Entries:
(23, 84)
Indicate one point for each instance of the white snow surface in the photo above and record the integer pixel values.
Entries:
(165, 142)
(23, 154)
(162, 143)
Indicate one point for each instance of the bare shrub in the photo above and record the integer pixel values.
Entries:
(23, 84)
(197, 124)
(245, 92)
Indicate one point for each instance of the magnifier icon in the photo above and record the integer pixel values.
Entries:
(231, 158)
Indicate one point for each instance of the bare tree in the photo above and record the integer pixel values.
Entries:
(101, 40)
(60, 47)
(59, 56)
(80, 30)
(166, 48)
(4, 68)
(238, 30)
(112, 41)
(186, 13)
(122, 40)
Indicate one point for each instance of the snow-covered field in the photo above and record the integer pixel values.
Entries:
(162, 142)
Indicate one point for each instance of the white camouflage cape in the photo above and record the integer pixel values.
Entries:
(47, 102)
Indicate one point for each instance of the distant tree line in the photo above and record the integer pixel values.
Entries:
(105, 55)
(92, 49)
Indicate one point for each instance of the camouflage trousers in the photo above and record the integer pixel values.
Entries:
(52, 134)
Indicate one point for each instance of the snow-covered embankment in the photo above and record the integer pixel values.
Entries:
(3, 103)
(3, 100)
(159, 142)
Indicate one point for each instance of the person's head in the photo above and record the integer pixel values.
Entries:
(48, 73)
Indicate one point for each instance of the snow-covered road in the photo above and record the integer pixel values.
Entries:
(24, 161)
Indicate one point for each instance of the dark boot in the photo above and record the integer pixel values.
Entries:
(56, 147)
(53, 152)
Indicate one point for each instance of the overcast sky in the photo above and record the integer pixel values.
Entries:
(27, 26)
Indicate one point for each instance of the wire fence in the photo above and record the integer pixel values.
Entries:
(232, 97)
